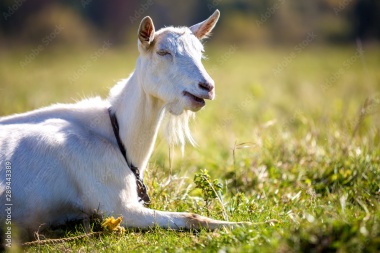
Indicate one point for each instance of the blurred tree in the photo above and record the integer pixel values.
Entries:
(242, 20)
(366, 19)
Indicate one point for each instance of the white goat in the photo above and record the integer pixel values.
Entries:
(64, 161)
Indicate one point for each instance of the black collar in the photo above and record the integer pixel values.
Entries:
(141, 188)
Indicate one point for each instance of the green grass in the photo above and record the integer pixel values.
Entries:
(283, 146)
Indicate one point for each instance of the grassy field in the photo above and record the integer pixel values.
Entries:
(293, 135)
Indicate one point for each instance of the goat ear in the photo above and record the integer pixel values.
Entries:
(203, 29)
(146, 31)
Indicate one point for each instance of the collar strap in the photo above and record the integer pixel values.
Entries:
(141, 187)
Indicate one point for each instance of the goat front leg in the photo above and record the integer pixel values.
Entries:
(141, 217)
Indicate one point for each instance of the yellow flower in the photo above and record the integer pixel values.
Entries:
(113, 225)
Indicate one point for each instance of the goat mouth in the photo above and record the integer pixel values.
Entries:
(197, 100)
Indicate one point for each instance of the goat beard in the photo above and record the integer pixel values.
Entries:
(177, 129)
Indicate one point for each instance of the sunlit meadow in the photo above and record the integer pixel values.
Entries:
(292, 140)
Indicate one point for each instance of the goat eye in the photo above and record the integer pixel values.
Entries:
(163, 52)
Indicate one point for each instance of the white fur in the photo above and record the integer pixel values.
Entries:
(65, 161)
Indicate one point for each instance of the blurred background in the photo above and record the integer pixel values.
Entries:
(282, 68)
(249, 22)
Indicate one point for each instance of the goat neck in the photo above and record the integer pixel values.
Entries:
(139, 116)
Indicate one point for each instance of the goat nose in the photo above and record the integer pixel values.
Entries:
(206, 86)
